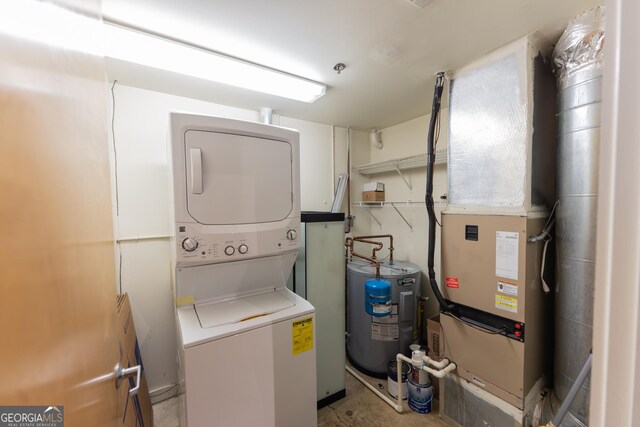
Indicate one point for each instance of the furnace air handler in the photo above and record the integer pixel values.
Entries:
(501, 170)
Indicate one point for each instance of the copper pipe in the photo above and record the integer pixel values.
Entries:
(377, 245)
(373, 261)
(349, 244)
(379, 236)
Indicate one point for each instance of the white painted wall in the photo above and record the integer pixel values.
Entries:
(615, 376)
(403, 140)
(140, 128)
(360, 154)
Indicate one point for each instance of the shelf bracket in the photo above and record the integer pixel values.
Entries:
(374, 218)
(403, 178)
(402, 216)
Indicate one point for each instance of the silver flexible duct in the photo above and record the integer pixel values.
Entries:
(578, 65)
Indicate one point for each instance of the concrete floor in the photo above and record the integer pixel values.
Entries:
(165, 413)
(361, 407)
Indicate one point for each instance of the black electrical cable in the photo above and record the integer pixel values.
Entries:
(445, 306)
(115, 152)
(431, 158)
(115, 175)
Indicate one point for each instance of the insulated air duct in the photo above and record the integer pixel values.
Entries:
(577, 61)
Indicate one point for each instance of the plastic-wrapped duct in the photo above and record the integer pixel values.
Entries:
(577, 61)
(502, 130)
(581, 47)
(488, 131)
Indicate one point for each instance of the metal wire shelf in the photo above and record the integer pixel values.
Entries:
(402, 163)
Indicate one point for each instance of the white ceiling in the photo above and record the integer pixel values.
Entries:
(391, 48)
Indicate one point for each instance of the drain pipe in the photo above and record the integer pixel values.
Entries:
(573, 391)
(397, 406)
(443, 367)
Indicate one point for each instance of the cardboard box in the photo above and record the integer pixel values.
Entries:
(373, 186)
(435, 341)
(373, 196)
(135, 411)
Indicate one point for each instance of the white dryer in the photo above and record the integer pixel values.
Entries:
(246, 343)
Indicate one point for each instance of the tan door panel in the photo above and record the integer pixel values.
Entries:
(58, 305)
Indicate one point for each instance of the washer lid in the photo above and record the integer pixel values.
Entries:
(242, 308)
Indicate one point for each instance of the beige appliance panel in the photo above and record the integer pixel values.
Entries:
(492, 362)
(473, 276)
(469, 266)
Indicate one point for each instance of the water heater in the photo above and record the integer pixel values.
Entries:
(374, 339)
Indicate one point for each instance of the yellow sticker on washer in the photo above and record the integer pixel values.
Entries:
(185, 300)
(507, 303)
(302, 335)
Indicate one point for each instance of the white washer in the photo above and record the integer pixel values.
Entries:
(246, 343)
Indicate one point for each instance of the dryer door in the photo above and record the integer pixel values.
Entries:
(237, 179)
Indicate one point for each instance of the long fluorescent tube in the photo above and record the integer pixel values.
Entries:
(146, 49)
(50, 24)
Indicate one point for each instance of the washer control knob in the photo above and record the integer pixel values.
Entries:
(189, 244)
(229, 250)
(243, 249)
(291, 234)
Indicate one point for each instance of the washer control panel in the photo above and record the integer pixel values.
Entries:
(189, 244)
(194, 246)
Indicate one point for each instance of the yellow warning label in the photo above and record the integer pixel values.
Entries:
(302, 335)
(507, 303)
(185, 300)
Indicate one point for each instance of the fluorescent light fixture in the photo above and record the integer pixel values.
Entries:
(138, 47)
(49, 24)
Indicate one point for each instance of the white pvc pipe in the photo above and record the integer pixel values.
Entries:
(441, 373)
(438, 365)
(445, 366)
(398, 407)
(399, 358)
(266, 115)
(375, 139)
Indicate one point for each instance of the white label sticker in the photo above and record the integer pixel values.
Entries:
(507, 254)
(507, 303)
(391, 318)
(508, 288)
(382, 332)
(386, 328)
(381, 308)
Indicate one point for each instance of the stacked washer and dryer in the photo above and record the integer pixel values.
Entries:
(246, 343)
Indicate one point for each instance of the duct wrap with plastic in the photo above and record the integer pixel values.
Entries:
(577, 60)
